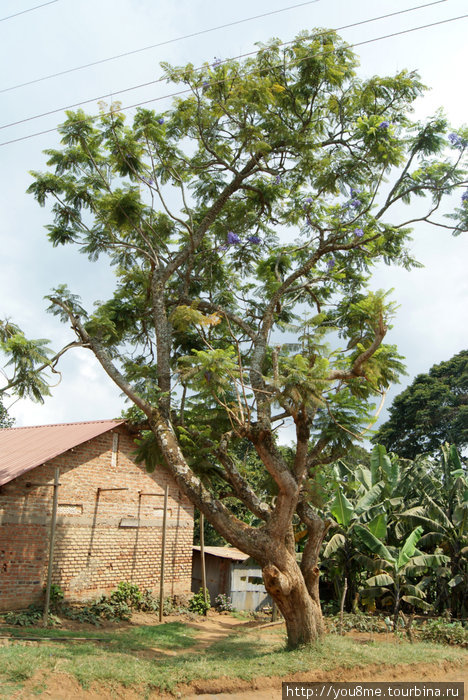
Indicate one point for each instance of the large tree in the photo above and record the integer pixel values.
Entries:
(431, 411)
(256, 204)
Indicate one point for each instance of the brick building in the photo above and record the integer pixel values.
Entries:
(103, 535)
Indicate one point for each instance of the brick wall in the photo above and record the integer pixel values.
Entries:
(102, 536)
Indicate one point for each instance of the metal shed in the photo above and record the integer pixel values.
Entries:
(233, 573)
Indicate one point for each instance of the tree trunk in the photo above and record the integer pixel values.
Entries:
(302, 614)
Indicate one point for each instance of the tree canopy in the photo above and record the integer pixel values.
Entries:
(431, 411)
(243, 224)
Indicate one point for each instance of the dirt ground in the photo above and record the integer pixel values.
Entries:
(215, 627)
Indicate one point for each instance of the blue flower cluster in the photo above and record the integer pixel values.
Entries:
(331, 263)
(384, 125)
(216, 63)
(233, 239)
(358, 232)
(465, 196)
(456, 140)
(161, 120)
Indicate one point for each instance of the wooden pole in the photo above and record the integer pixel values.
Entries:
(163, 555)
(53, 523)
(202, 557)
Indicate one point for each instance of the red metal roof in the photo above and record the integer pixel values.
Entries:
(22, 449)
(225, 552)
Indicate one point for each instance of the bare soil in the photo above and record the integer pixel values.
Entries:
(60, 686)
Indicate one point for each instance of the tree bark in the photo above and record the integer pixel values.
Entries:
(302, 614)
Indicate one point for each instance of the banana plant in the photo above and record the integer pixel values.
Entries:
(356, 502)
(395, 568)
(444, 517)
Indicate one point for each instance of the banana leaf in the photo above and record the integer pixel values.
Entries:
(373, 543)
(409, 547)
(333, 545)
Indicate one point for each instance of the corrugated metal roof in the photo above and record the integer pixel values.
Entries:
(22, 449)
(225, 552)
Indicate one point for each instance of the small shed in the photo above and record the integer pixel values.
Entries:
(233, 573)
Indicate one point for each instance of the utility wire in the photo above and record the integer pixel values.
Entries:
(23, 12)
(162, 43)
(159, 80)
(214, 82)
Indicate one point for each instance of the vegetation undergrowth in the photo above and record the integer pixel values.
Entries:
(117, 606)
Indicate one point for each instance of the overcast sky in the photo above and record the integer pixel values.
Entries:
(432, 319)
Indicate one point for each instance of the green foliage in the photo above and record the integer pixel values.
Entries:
(444, 632)
(431, 411)
(197, 602)
(6, 421)
(355, 621)
(29, 617)
(56, 596)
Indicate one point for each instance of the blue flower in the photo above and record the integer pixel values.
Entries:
(465, 196)
(355, 203)
(456, 140)
(161, 120)
(354, 192)
(217, 62)
(255, 240)
(278, 180)
(205, 84)
(331, 263)
(232, 238)
(358, 232)
(148, 180)
(384, 125)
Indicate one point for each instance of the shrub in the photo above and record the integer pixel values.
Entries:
(30, 617)
(355, 621)
(444, 632)
(223, 603)
(197, 602)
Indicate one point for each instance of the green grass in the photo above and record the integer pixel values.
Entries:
(245, 654)
(173, 635)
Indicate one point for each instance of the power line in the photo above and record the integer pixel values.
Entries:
(154, 46)
(188, 90)
(158, 80)
(23, 12)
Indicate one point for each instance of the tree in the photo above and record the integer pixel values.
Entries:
(252, 206)
(397, 566)
(5, 420)
(431, 411)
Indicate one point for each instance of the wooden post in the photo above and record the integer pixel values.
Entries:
(53, 523)
(343, 598)
(163, 555)
(202, 557)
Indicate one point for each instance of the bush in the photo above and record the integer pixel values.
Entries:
(127, 593)
(30, 617)
(197, 602)
(223, 603)
(444, 632)
(355, 621)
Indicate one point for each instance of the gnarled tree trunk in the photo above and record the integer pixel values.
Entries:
(302, 614)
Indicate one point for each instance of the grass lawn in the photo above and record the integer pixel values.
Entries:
(136, 656)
